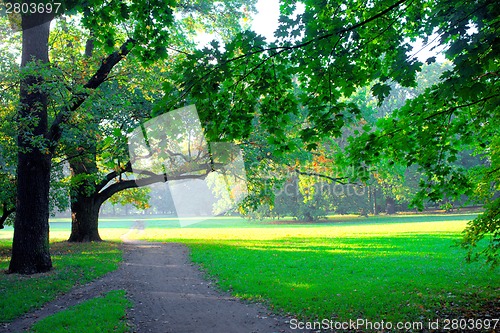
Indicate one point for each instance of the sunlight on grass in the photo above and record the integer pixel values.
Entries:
(101, 314)
(392, 269)
(381, 268)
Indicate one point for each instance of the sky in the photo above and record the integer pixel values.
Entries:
(265, 23)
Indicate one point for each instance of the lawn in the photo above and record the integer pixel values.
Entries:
(386, 268)
(100, 314)
(401, 268)
(73, 264)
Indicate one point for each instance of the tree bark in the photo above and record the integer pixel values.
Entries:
(85, 219)
(30, 247)
(85, 201)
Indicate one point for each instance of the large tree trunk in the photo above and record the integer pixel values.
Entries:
(85, 219)
(85, 200)
(30, 247)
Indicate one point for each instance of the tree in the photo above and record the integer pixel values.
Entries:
(30, 251)
(95, 139)
(116, 29)
(321, 56)
(455, 115)
(331, 49)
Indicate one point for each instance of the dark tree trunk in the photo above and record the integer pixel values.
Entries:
(85, 200)
(390, 207)
(30, 247)
(85, 219)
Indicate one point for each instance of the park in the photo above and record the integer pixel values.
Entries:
(399, 269)
(249, 166)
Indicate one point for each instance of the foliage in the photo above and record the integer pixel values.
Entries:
(9, 71)
(101, 314)
(286, 98)
(75, 264)
(138, 197)
(489, 224)
(455, 115)
(87, 42)
(324, 54)
(100, 127)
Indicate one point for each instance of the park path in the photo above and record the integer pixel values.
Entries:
(169, 295)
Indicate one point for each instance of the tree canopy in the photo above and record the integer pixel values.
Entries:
(324, 54)
(143, 30)
(287, 102)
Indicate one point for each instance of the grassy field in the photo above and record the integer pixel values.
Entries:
(73, 264)
(390, 268)
(401, 268)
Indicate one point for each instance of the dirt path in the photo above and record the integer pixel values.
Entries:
(169, 295)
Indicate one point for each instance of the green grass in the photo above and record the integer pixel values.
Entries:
(73, 264)
(390, 268)
(397, 268)
(101, 314)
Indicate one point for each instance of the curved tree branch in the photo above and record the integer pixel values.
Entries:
(55, 132)
(109, 191)
(5, 214)
(320, 175)
(110, 176)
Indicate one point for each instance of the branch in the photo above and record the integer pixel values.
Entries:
(93, 83)
(343, 31)
(126, 184)
(315, 174)
(5, 214)
(110, 176)
(70, 157)
(448, 111)
(155, 178)
(280, 49)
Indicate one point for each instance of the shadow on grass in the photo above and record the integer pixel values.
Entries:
(74, 264)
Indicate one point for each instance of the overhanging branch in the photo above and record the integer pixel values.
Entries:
(93, 83)
(110, 176)
(338, 180)
(109, 191)
(274, 51)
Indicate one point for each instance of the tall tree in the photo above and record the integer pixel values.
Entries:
(117, 27)
(30, 250)
(95, 138)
